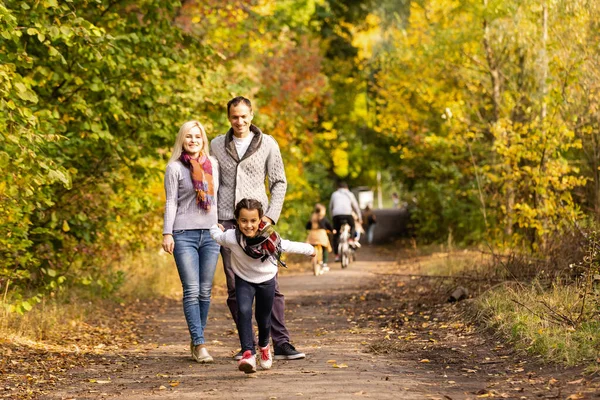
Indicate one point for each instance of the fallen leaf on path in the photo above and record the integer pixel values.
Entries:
(330, 361)
(576, 396)
(484, 393)
(578, 381)
(339, 366)
(425, 360)
(162, 387)
(174, 383)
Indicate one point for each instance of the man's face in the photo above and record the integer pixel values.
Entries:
(240, 117)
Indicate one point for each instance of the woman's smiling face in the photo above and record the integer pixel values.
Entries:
(192, 142)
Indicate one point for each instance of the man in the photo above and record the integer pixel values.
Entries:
(341, 206)
(246, 158)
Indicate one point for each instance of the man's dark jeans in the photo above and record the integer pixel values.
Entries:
(279, 332)
(245, 293)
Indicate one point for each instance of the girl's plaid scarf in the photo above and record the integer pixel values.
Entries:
(265, 245)
(202, 179)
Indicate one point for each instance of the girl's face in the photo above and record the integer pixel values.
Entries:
(192, 142)
(248, 222)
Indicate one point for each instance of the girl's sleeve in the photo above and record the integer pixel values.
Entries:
(308, 225)
(219, 236)
(327, 224)
(296, 247)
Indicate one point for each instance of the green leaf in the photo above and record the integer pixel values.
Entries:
(24, 93)
(54, 175)
(65, 30)
(26, 306)
(52, 51)
(50, 3)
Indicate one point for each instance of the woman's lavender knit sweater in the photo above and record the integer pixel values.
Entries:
(181, 210)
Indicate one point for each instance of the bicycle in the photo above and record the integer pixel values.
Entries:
(344, 249)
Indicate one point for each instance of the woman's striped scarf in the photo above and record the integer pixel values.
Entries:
(265, 245)
(202, 179)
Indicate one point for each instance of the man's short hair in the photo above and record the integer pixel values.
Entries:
(237, 100)
(342, 184)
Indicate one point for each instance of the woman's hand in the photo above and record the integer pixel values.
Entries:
(221, 227)
(168, 243)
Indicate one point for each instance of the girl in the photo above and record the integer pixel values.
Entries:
(255, 254)
(319, 227)
(191, 182)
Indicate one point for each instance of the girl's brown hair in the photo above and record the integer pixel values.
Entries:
(248, 204)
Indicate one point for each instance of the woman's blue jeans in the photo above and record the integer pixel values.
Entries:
(370, 233)
(245, 292)
(196, 255)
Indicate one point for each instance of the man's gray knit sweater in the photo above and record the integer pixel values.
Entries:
(245, 178)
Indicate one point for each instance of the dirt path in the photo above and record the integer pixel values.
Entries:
(334, 320)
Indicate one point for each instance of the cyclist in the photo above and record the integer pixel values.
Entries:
(318, 228)
(341, 206)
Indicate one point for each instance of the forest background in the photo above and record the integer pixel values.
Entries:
(483, 114)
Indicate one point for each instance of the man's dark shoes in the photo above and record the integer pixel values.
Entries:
(239, 355)
(287, 352)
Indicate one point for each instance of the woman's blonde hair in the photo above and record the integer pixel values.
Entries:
(185, 128)
(317, 215)
(320, 210)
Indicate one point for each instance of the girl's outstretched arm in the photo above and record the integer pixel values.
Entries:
(287, 246)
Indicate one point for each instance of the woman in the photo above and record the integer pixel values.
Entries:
(369, 220)
(319, 229)
(191, 184)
